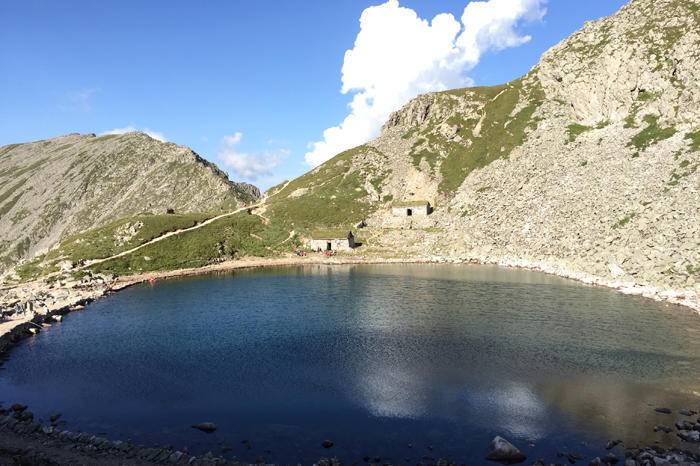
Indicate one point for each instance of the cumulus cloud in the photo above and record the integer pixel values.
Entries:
(130, 129)
(249, 166)
(398, 55)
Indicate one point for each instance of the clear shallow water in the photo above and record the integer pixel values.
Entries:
(373, 358)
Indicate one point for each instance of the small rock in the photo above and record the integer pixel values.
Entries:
(54, 418)
(684, 425)
(692, 436)
(327, 444)
(18, 408)
(596, 462)
(664, 429)
(503, 451)
(663, 410)
(207, 427)
(687, 412)
(612, 444)
(610, 458)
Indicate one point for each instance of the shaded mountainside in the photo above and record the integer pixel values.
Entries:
(50, 189)
(589, 163)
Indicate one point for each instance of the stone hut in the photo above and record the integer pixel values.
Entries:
(411, 208)
(332, 240)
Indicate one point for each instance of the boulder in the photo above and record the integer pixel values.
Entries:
(207, 427)
(502, 451)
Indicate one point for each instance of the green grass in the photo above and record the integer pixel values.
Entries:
(335, 195)
(230, 237)
(500, 132)
(7, 206)
(650, 135)
(103, 242)
(8, 192)
(624, 220)
(233, 237)
(575, 130)
(694, 140)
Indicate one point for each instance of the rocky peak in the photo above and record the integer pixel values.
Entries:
(643, 59)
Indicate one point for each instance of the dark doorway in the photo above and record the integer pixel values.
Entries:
(409, 212)
(329, 246)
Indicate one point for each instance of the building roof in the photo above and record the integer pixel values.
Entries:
(338, 233)
(410, 204)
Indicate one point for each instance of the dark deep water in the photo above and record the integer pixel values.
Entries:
(374, 358)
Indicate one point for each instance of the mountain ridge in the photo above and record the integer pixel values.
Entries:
(63, 185)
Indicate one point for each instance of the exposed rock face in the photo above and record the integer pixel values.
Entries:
(59, 186)
(587, 165)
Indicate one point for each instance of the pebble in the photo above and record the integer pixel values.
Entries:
(663, 410)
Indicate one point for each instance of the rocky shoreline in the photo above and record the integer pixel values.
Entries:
(24, 441)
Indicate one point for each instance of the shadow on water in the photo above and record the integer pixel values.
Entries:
(391, 361)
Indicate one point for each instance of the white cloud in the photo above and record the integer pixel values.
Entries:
(249, 166)
(398, 55)
(130, 129)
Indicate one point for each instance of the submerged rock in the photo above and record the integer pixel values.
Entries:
(692, 436)
(207, 427)
(18, 408)
(612, 444)
(664, 429)
(327, 444)
(684, 425)
(502, 451)
(663, 410)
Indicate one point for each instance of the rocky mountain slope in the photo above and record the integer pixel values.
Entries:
(53, 188)
(587, 165)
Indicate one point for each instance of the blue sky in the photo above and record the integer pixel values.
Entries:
(259, 81)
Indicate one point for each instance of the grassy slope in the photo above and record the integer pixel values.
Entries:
(502, 129)
(228, 238)
(104, 242)
(335, 196)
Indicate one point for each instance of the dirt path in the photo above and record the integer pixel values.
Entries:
(168, 235)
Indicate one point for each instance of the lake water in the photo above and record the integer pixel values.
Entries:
(398, 362)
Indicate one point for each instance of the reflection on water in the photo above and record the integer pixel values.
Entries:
(373, 357)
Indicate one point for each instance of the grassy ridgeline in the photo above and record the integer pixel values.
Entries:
(227, 238)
